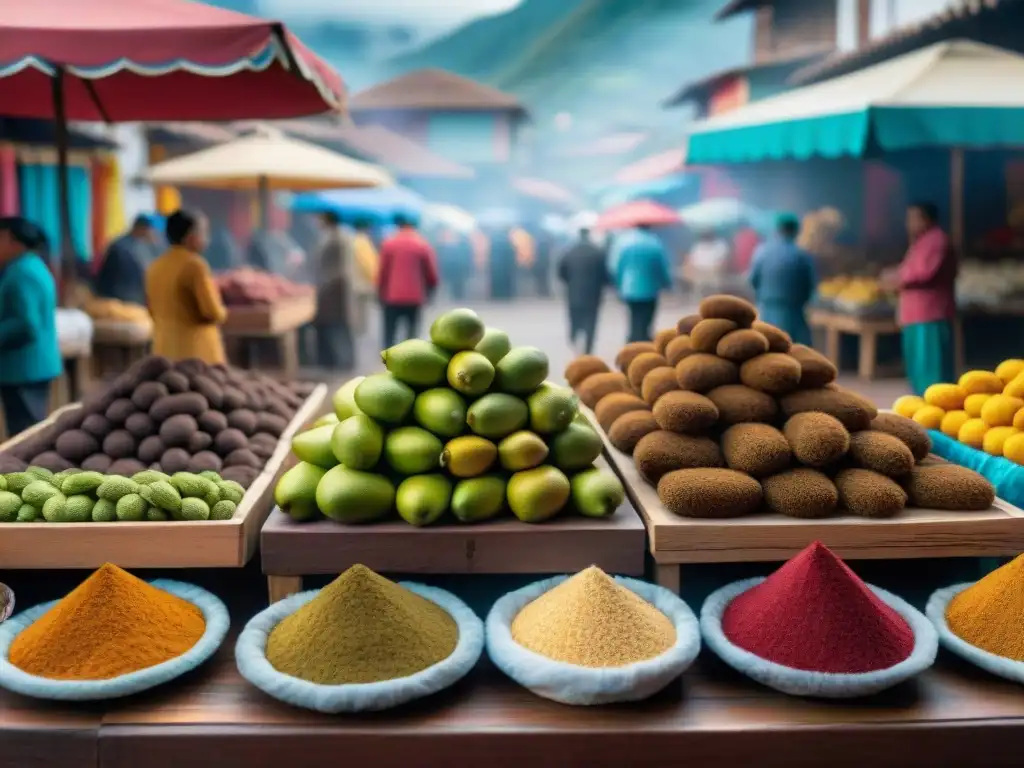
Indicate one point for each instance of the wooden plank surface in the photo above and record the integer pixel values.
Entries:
(270, 319)
(563, 545)
(914, 533)
(173, 544)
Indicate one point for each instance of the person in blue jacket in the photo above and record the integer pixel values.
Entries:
(784, 280)
(29, 351)
(639, 266)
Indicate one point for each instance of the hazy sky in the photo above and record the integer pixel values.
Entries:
(427, 12)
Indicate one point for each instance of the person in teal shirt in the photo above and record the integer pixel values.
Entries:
(639, 267)
(784, 280)
(29, 350)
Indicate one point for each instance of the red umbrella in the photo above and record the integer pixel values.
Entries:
(128, 60)
(635, 214)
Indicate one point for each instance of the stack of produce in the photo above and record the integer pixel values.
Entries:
(247, 286)
(984, 409)
(112, 624)
(362, 628)
(182, 417)
(116, 311)
(82, 496)
(726, 417)
(990, 284)
(857, 295)
(464, 422)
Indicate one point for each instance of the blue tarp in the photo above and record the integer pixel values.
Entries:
(378, 204)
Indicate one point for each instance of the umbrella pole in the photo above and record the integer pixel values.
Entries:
(263, 203)
(66, 271)
(956, 200)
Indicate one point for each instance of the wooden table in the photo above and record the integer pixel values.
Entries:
(567, 544)
(867, 329)
(279, 322)
(951, 716)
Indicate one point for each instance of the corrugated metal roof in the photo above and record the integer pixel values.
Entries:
(945, 24)
(428, 89)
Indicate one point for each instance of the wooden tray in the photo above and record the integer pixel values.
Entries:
(211, 544)
(291, 550)
(270, 319)
(675, 540)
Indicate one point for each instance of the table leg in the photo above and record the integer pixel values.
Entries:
(868, 355)
(288, 344)
(832, 345)
(667, 576)
(83, 379)
(281, 587)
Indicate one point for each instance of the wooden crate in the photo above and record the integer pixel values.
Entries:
(291, 550)
(675, 540)
(270, 319)
(211, 544)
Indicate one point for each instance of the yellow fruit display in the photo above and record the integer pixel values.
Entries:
(116, 311)
(973, 405)
(1013, 448)
(1008, 370)
(948, 397)
(908, 405)
(999, 410)
(981, 382)
(1015, 388)
(1018, 419)
(930, 416)
(996, 438)
(952, 422)
(972, 433)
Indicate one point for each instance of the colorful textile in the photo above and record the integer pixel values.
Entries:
(928, 354)
(8, 182)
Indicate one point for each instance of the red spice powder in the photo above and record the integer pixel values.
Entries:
(815, 614)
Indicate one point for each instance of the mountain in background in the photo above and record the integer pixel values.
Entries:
(605, 62)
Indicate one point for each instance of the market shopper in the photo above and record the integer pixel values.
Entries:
(926, 281)
(29, 350)
(583, 270)
(639, 267)
(365, 263)
(183, 300)
(784, 280)
(122, 275)
(407, 279)
(333, 268)
(455, 260)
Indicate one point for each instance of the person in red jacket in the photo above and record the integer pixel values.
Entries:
(406, 279)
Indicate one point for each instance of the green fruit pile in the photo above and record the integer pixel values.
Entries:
(464, 423)
(38, 495)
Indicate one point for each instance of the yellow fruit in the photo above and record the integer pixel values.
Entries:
(952, 422)
(972, 433)
(1010, 369)
(908, 405)
(999, 410)
(1015, 388)
(973, 405)
(1013, 448)
(996, 438)
(948, 397)
(1018, 419)
(981, 382)
(929, 417)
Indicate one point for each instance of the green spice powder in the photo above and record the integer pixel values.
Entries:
(362, 628)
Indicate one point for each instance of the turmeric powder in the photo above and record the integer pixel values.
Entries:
(990, 614)
(112, 624)
(592, 621)
(362, 628)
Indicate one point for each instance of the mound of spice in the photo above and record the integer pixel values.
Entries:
(591, 620)
(112, 624)
(990, 614)
(362, 628)
(815, 614)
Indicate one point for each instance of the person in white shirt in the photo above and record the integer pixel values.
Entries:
(708, 260)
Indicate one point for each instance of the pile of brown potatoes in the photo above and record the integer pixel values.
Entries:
(727, 417)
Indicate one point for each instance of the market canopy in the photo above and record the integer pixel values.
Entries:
(268, 159)
(957, 94)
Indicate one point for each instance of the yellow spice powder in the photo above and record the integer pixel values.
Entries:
(592, 621)
(990, 614)
(362, 628)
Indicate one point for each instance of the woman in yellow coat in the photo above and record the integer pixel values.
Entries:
(183, 299)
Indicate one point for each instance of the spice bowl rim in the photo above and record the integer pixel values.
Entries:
(800, 682)
(1001, 666)
(573, 684)
(252, 663)
(215, 613)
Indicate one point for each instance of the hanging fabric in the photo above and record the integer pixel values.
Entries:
(168, 199)
(100, 180)
(80, 194)
(115, 223)
(9, 194)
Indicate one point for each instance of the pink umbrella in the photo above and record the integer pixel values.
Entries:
(128, 60)
(635, 214)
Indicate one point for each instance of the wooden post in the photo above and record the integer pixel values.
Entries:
(956, 200)
(66, 273)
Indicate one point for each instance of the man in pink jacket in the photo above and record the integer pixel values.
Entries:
(406, 279)
(926, 281)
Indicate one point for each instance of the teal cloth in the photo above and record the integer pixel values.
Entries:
(639, 265)
(29, 349)
(1007, 477)
(854, 134)
(928, 354)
